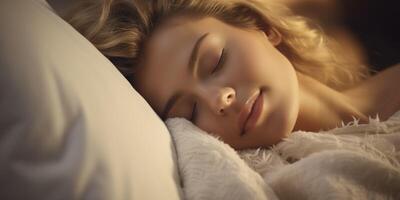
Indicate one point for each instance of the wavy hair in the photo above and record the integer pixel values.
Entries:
(120, 28)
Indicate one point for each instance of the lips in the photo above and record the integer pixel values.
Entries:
(246, 111)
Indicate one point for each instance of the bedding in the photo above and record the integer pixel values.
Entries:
(354, 161)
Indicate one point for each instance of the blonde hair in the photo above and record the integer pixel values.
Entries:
(120, 28)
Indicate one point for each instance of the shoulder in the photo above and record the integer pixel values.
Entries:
(380, 94)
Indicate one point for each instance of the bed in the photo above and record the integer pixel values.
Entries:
(72, 127)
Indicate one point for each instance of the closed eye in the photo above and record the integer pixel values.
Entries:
(193, 117)
(221, 61)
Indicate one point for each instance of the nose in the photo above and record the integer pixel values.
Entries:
(219, 99)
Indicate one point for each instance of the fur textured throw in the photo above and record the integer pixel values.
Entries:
(355, 161)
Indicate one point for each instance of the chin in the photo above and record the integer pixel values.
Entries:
(281, 124)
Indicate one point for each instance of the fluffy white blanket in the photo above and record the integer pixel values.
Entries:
(355, 161)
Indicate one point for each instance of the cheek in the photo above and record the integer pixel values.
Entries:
(208, 123)
(249, 63)
(203, 119)
(266, 63)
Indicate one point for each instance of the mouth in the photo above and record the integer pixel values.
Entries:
(251, 112)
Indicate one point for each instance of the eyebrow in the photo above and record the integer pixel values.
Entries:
(192, 66)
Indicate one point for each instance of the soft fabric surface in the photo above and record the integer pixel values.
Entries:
(355, 161)
(71, 126)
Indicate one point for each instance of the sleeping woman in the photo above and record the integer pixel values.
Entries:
(248, 71)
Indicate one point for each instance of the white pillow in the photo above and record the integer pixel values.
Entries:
(71, 126)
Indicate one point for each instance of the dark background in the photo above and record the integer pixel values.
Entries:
(369, 27)
(376, 25)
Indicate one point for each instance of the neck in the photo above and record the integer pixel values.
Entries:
(323, 108)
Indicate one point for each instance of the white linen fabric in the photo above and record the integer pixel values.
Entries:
(355, 161)
(71, 126)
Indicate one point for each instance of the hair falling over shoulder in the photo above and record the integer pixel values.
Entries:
(120, 28)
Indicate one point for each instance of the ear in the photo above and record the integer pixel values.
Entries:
(273, 35)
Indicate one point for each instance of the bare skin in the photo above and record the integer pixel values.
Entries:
(293, 101)
(378, 95)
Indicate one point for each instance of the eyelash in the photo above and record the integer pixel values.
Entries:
(194, 113)
(220, 63)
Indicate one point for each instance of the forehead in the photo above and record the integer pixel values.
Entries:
(167, 55)
(177, 33)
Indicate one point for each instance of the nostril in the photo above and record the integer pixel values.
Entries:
(221, 111)
(229, 98)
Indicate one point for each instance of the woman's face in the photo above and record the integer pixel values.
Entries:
(215, 71)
